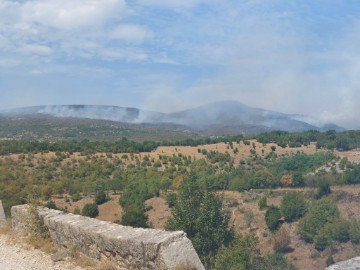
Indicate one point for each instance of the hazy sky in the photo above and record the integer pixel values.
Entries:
(284, 55)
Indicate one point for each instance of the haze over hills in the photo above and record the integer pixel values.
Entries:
(220, 118)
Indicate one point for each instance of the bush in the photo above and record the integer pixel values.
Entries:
(354, 231)
(135, 216)
(239, 255)
(322, 212)
(323, 189)
(51, 204)
(293, 206)
(323, 239)
(339, 229)
(100, 197)
(274, 261)
(171, 199)
(272, 217)
(335, 230)
(90, 210)
(262, 202)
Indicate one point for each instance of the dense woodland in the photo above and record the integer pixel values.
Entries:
(190, 185)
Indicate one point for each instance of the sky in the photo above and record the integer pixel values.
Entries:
(291, 56)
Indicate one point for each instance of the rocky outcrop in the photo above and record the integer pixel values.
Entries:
(2, 214)
(351, 264)
(130, 248)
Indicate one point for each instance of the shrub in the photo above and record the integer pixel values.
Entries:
(339, 229)
(134, 216)
(171, 199)
(354, 231)
(330, 260)
(323, 239)
(274, 261)
(293, 206)
(75, 197)
(90, 210)
(322, 212)
(323, 189)
(335, 230)
(272, 217)
(239, 255)
(100, 197)
(281, 240)
(51, 204)
(262, 202)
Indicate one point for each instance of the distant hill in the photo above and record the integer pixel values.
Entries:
(214, 119)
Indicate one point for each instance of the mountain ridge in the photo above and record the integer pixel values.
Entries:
(213, 119)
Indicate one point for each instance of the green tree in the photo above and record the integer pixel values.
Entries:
(239, 256)
(272, 216)
(262, 202)
(354, 231)
(293, 206)
(323, 189)
(134, 216)
(101, 197)
(199, 213)
(90, 210)
(322, 212)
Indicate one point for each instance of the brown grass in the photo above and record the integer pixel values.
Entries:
(45, 245)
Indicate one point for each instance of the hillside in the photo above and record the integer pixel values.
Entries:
(49, 128)
(111, 122)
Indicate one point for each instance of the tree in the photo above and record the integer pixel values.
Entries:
(293, 206)
(272, 216)
(322, 212)
(239, 255)
(90, 210)
(135, 216)
(262, 203)
(100, 197)
(199, 213)
(354, 231)
(323, 189)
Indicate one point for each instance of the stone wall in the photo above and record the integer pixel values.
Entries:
(2, 214)
(351, 264)
(131, 248)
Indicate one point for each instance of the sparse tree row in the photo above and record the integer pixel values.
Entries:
(342, 141)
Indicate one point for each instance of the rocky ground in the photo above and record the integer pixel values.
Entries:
(20, 256)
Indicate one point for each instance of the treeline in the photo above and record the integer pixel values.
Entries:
(88, 147)
(331, 139)
(85, 146)
(342, 141)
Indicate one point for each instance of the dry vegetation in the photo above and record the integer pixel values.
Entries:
(243, 206)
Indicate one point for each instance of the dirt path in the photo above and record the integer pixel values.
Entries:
(23, 257)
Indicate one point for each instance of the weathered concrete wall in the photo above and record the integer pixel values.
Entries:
(2, 214)
(351, 264)
(128, 247)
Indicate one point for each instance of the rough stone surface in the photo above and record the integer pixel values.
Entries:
(2, 214)
(352, 264)
(132, 248)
